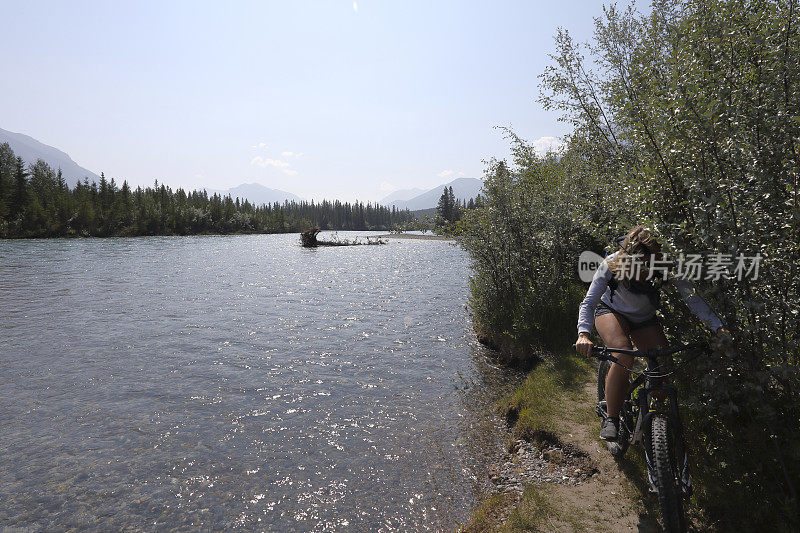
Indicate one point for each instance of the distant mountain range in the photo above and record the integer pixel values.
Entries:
(257, 194)
(463, 189)
(31, 150)
(401, 196)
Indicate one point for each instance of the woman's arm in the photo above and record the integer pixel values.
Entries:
(697, 305)
(592, 298)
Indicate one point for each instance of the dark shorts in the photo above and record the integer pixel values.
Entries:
(602, 309)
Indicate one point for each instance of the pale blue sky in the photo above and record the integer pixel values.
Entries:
(382, 95)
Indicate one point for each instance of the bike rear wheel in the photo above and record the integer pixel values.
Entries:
(620, 446)
(664, 473)
(602, 373)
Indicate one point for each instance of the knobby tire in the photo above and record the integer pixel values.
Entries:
(664, 473)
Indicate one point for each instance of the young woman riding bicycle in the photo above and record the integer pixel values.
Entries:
(621, 303)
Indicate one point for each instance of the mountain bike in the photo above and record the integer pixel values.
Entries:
(650, 416)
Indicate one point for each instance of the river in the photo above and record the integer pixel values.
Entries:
(241, 381)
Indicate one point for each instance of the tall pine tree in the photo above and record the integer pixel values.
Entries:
(19, 199)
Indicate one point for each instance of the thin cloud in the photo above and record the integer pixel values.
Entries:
(387, 187)
(291, 154)
(267, 162)
(259, 145)
(543, 145)
(448, 173)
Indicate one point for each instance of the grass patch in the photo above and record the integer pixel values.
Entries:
(533, 512)
(535, 407)
(485, 516)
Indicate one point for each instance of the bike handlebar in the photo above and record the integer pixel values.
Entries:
(602, 352)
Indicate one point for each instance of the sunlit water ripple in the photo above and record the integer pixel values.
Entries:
(218, 382)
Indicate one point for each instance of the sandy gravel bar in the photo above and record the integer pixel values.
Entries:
(413, 236)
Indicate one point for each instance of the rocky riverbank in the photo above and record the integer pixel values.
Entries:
(528, 463)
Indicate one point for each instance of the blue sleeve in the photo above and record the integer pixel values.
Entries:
(592, 298)
(697, 305)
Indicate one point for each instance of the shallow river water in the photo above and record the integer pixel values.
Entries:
(240, 381)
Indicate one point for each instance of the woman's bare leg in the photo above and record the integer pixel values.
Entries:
(651, 337)
(614, 331)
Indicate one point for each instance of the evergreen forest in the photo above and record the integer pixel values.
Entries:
(36, 201)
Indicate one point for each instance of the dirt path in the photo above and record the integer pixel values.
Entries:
(568, 481)
(610, 500)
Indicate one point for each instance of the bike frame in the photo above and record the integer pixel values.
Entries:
(651, 383)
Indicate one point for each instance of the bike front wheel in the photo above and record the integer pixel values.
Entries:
(665, 474)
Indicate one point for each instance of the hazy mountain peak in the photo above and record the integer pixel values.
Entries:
(257, 194)
(401, 195)
(463, 189)
(30, 150)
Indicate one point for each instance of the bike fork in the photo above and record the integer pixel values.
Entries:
(650, 479)
(686, 478)
(680, 449)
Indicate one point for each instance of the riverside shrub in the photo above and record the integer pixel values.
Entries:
(686, 119)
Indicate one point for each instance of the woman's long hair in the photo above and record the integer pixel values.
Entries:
(639, 241)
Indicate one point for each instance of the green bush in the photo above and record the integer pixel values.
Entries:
(524, 285)
(687, 120)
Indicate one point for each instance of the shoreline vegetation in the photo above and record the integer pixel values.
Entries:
(685, 120)
(36, 202)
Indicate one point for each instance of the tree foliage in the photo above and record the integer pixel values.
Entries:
(687, 120)
(448, 208)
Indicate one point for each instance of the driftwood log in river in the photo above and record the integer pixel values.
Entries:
(309, 240)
